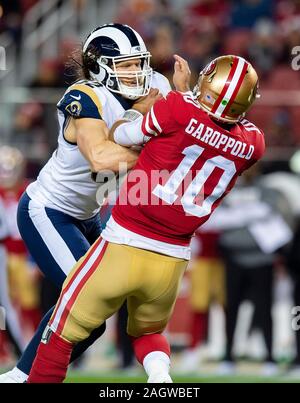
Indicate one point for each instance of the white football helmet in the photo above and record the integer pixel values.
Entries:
(112, 43)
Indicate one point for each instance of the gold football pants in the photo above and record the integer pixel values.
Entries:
(108, 275)
(207, 283)
(23, 288)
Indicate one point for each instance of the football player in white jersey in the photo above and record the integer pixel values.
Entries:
(58, 215)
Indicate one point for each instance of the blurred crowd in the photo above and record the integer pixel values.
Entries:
(11, 14)
(263, 31)
(235, 258)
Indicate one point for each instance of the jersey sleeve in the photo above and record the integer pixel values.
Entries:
(81, 101)
(259, 149)
(261, 146)
(257, 139)
(162, 83)
(158, 121)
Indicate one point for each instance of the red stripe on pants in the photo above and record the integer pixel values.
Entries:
(89, 253)
(79, 288)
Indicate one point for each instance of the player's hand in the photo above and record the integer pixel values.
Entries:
(144, 104)
(182, 74)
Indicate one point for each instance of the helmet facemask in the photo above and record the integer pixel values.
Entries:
(139, 81)
(111, 44)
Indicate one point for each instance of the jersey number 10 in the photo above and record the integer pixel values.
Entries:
(167, 191)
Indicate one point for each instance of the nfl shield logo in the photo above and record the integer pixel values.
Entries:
(210, 68)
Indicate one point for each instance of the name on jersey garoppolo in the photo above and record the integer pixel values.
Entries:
(220, 140)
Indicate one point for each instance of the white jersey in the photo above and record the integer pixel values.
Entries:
(65, 182)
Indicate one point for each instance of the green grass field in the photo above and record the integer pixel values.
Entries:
(121, 377)
(117, 377)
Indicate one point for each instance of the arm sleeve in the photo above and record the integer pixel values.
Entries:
(259, 150)
(158, 120)
(130, 133)
(81, 101)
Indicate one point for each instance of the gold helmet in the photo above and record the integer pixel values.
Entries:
(227, 87)
(12, 164)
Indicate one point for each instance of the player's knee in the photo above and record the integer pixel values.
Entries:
(76, 329)
(138, 328)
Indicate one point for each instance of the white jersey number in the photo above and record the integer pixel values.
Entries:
(167, 191)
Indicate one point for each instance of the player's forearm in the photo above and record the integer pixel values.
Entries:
(102, 154)
(112, 157)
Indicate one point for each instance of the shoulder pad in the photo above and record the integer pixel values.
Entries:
(81, 101)
(249, 126)
(161, 82)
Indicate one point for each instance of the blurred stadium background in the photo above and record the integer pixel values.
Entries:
(40, 36)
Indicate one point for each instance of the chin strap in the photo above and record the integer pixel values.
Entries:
(137, 92)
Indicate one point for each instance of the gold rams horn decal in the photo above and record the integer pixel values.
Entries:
(74, 108)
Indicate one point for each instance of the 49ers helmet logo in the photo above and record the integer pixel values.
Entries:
(209, 68)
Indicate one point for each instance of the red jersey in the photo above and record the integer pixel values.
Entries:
(184, 171)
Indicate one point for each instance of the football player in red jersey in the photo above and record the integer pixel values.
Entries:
(197, 145)
(22, 274)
